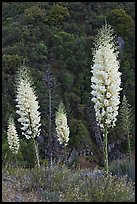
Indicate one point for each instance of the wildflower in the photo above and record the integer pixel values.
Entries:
(27, 105)
(106, 78)
(106, 83)
(61, 125)
(13, 139)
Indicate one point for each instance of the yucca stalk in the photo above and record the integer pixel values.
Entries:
(105, 83)
(126, 121)
(62, 128)
(13, 139)
(28, 107)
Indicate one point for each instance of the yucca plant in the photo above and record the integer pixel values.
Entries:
(62, 128)
(126, 121)
(106, 83)
(12, 136)
(27, 105)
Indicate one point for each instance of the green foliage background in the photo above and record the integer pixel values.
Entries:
(60, 35)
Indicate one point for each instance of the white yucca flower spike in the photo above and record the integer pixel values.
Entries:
(61, 125)
(27, 104)
(13, 139)
(106, 79)
(106, 83)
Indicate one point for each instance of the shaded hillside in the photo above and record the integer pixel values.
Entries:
(58, 37)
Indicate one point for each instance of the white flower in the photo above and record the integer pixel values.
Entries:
(62, 128)
(27, 105)
(106, 79)
(109, 109)
(13, 139)
(105, 102)
(108, 95)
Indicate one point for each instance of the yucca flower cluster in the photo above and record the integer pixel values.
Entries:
(106, 83)
(13, 139)
(106, 79)
(61, 125)
(27, 105)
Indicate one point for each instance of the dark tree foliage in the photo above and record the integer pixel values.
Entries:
(60, 35)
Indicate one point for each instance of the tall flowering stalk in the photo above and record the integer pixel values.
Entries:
(13, 139)
(105, 83)
(27, 105)
(126, 118)
(62, 128)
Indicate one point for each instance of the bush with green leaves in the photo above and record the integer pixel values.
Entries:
(8, 157)
(123, 167)
(121, 21)
(25, 156)
(57, 14)
(60, 184)
(79, 135)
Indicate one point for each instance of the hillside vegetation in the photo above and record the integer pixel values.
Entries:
(55, 40)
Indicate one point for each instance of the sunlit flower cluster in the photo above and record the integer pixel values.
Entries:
(27, 105)
(61, 125)
(13, 139)
(106, 79)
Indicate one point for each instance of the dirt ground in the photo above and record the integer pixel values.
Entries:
(11, 194)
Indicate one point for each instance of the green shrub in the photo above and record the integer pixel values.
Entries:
(8, 156)
(60, 184)
(25, 156)
(104, 189)
(123, 167)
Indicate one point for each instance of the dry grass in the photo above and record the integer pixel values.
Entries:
(10, 193)
(60, 184)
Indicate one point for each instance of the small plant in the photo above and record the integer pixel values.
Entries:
(126, 121)
(13, 139)
(60, 184)
(112, 189)
(62, 127)
(123, 167)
